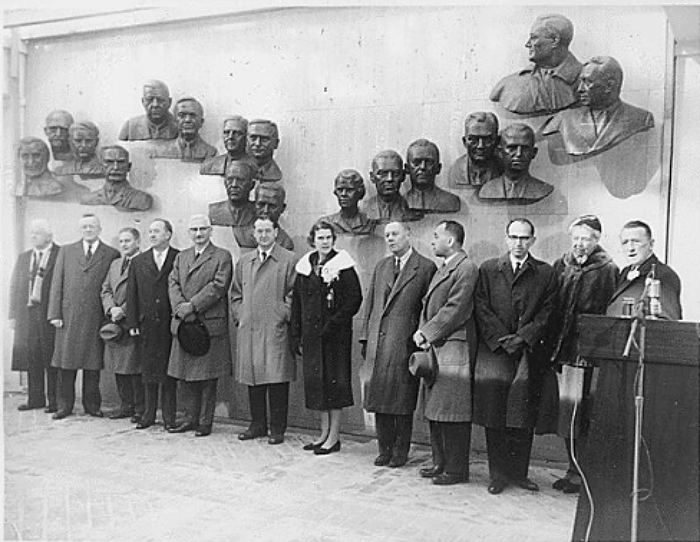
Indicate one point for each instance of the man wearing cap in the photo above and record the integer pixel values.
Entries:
(75, 310)
(447, 325)
(514, 302)
(392, 313)
(189, 145)
(57, 124)
(121, 350)
(198, 289)
(587, 281)
(148, 315)
(157, 123)
(34, 336)
(638, 247)
(480, 164)
(261, 303)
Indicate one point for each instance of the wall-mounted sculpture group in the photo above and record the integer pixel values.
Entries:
(582, 101)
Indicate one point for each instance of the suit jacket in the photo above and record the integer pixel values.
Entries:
(269, 172)
(93, 168)
(527, 93)
(527, 190)
(670, 289)
(447, 321)
(216, 165)
(125, 198)
(381, 212)
(261, 304)
(34, 336)
(199, 150)
(148, 310)
(121, 356)
(581, 137)
(392, 313)
(434, 200)
(75, 299)
(204, 282)
(507, 387)
(222, 213)
(139, 129)
(462, 171)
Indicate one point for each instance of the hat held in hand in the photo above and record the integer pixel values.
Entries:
(112, 332)
(193, 337)
(423, 364)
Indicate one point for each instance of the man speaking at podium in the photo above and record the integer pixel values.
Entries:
(638, 247)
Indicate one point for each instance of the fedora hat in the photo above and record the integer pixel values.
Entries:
(423, 364)
(193, 337)
(112, 332)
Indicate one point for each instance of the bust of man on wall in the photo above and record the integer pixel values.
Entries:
(262, 141)
(237, 211)
(157, 123)
(480, 164)
(388, 205)
(349, 189)
(57, 124)
(604, 120)
(270, 202)
(517, 150)
(234, 135)
(423, 165)
(117, 191)
(549, 83)
(84, 140)
(188, 146)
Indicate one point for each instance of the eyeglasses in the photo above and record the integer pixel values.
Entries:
(201, 228)
(522, 238)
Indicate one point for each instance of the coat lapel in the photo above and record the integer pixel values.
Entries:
(408, 273)
(96, 257)
(444, 272)
(196, 264)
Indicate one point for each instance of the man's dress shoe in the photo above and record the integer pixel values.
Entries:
(95, 413)
(250, 434)
(120, 414)
(310, 447)
(182, 428)
(325, 451)
(51, 409)
(203, 431)
(497, 486)
(136, 418)
(168, 426)
(528, 484)
(431, 472)
(61, 414)
(382, 460)
(397, 461)
(275, 439)
(446, 479)
(29, 407)
(143, 425)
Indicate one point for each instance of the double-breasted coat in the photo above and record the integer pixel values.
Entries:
(204, 282)
(261, 304)
(148, 310)
(392, 313)
(121, 356)
(323, 327)
(447, 322)
(506, 387)
(75, 299)
(34, 335)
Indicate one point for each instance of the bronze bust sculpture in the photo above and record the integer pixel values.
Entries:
(84, 140)
(480, 164)
(270, 200)
(423, 165)
(349, 189)
(549, 83)
(262, 140)
(388, 205)
(117, 191)
(57, 124)
(237, 211)
(234, 135)
(157, 123)
(604, 120)
(188, 146)
(517, 150)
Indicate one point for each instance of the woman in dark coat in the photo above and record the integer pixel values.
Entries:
(587, 281)
(327, 295)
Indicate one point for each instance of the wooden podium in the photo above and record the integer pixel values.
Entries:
(670, 430)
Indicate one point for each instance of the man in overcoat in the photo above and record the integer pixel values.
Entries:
(75, 310)
(392, 313)
(121, 356)
(514, 301)
(148, 314)
(198, 288)
(261, 300)
(29, 300)
(447, 325)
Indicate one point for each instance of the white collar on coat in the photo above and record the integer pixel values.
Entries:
(342, 260)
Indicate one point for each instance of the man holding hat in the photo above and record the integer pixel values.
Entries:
(121, 354)
(198, 290)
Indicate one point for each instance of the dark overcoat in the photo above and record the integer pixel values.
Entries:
(121, 356)
(75, 299)
(392, 313)
(204, 282)
(148, 310)
(261, 304)
(34, 335)
(507, 388)
(325, 333)
(447, 322)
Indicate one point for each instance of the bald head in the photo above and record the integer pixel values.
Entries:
(156, 101)
(57, 124)
(556, 26)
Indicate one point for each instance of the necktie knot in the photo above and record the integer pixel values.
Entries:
(125, 265)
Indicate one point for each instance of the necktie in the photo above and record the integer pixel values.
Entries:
(125, 265)
(196, 255)
(263, 257)
(158, 259)
(518, 265)
(88, 255)
(36, 258)
(397, 269)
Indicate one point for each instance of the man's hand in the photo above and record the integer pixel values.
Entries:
(134, 332)
(116, 314)
(512, 344)
(184, 310)
(420, 340)
(57, 323)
